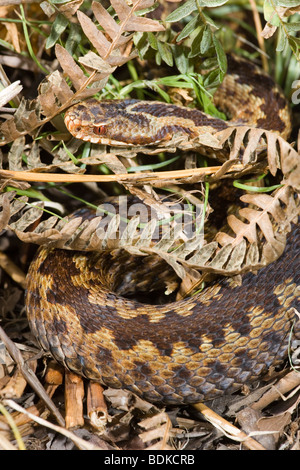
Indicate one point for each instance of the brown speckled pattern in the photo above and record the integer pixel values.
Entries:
(181, 352)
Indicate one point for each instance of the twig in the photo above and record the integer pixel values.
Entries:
(96, 406)
(13, 426)
(30, 376)
(12, 270)
(285, 385)
(5, 444)
(81, 443)
(260, 38)
(227, 428)
(74, 394)
(74, 178)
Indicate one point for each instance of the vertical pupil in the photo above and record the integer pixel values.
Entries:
(99, 130)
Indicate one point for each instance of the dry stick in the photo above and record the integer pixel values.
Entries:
(227, 428)
(81, 443)
(71, 178)
(16, 385)
(74, 394)
(15, 2)
(260, 38)
(12, 270)
(20, 419)
(30, 376)
(285, 385)
(5, 444)
(96, 406)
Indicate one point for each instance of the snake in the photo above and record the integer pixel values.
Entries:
(184, 351)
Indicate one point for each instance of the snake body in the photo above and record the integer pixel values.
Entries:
(181, 352)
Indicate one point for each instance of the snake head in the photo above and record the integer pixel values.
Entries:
(105, 122)
(129, 122)
(89, 120)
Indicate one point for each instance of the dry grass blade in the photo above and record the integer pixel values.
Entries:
(10, 92)
(260, 37)
(121, 177)
(81, 443)
(30, 376)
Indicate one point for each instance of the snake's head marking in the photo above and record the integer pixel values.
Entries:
(108, 122)
(89, 121)
(129, 122)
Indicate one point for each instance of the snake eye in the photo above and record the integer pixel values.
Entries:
(101, 130)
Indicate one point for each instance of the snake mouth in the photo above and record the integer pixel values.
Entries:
(94, 132)
(77, 127)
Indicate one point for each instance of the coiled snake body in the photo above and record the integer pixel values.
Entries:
(186, 351)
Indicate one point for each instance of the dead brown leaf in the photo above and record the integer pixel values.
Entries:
(70, 67)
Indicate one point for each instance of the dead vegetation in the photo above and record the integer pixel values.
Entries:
(44, 174)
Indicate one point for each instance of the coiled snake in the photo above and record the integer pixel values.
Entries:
(186, 351)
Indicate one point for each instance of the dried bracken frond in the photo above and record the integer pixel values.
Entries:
(128, 22)
(259, 230)
(55, 95)
(251, 143)
(269, 221)
(258, 242)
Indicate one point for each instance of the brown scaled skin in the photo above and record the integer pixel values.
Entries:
(182, 352)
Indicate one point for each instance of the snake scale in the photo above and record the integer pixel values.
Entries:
(181, 352)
